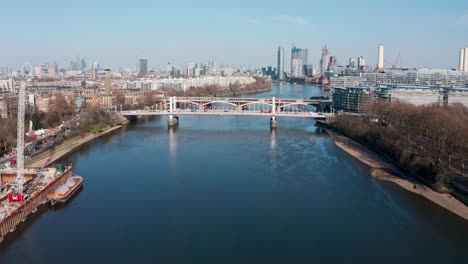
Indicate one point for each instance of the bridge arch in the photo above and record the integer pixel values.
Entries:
(255, 103)
(219, 102)
(291, 104)
(187, 102)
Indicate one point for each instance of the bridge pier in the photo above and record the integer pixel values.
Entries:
(173, 119)
(273, 114)
(273, 122)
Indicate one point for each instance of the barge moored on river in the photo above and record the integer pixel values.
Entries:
(66, 190)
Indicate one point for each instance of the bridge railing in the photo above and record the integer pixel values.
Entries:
(221, 111)
(240, 99)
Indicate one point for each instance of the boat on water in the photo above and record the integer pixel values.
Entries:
(66, 190)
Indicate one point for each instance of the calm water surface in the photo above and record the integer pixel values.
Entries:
(227, 190)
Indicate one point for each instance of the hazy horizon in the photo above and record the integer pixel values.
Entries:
(424, 33)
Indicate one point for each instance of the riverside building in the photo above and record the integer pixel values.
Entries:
(404, 76)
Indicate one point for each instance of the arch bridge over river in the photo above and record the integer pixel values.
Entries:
(273, 107)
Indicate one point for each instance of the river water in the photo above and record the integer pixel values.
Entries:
(226, 189)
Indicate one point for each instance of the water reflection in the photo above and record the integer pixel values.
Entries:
(172, 142)
(295, 192)
(272, 138)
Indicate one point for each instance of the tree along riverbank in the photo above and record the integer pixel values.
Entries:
(237, 93)
(384, 171)
(259, 86)
(93, 126)
(56, 152)
(429, 143)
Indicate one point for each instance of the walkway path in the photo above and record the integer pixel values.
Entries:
(52, 155)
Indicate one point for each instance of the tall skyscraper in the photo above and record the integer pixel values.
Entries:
(93, 73)
(309, 70)
(361, 62)
(333, 62)
(296, 67)
(83, 65)
(380, 62)
(280, 65)
(352, 62)
(143, 67)
(463, 66)
(324, 61)
(107, 81)
(298, 60)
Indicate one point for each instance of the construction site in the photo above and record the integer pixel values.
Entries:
(23, 190)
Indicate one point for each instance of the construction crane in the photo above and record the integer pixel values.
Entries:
(20, 139)
(18, 196)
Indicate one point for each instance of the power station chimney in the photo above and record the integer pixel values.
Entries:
(463, 66)
(380, 62)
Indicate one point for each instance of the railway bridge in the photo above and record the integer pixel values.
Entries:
(173, 107)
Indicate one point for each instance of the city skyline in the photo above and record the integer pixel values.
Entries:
(232, 33)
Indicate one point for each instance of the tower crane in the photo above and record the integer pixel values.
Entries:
(18, 196)
(20, 139)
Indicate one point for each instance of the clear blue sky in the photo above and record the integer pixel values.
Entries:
(427, 33)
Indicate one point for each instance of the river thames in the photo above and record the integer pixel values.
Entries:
(225, 189)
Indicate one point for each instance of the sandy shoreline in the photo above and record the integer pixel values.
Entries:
(52, 155)
(384, 171)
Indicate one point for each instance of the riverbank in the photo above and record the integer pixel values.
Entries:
(384, 171)
(231, 93)
(49, 156)
(262, 90)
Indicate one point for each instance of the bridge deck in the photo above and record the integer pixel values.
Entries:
(241, 100)
(227, 113)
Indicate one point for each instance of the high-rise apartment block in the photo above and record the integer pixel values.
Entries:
(324, 61)
(299, 58)
(280, 66)
(332, 63)
(107, 81)
(143, 68)
(361, 62)
(352, 63)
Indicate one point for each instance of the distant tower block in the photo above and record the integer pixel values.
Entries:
(280, 65)
(380, 62)
(361, 62)
(107, 81)
(143, 68)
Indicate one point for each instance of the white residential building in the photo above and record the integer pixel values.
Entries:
(7, 85)
(181, 84)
